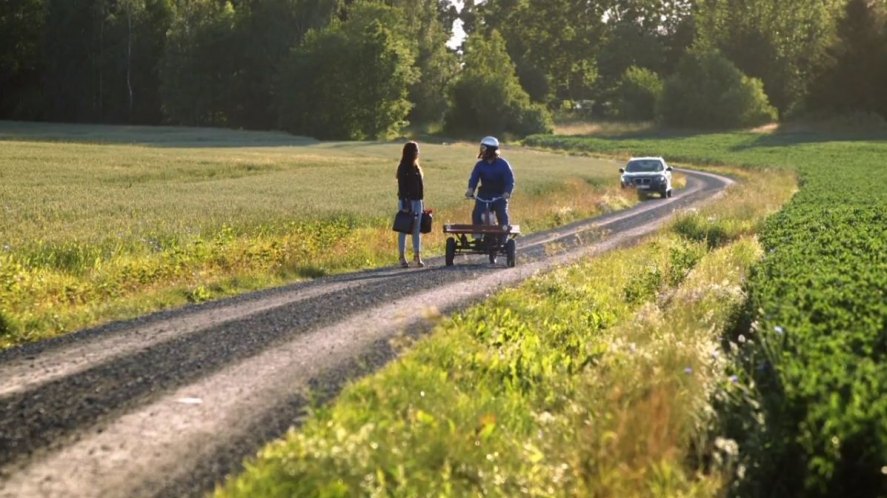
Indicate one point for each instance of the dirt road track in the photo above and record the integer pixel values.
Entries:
(167, 404)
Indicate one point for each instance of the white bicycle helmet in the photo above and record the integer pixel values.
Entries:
(490, 142)
(489, 147)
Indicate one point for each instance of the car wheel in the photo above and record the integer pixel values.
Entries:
(668, 193)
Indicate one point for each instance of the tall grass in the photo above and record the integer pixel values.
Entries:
(564, 386)
(105, 222)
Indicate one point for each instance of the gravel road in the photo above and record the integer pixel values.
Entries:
(168, 404)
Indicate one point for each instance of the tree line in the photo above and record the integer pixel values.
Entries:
(360, 69)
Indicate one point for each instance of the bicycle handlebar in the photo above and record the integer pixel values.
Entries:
(494, 199)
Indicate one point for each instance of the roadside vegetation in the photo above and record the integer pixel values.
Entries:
(105, 222)
(594, 380)
(812, 420)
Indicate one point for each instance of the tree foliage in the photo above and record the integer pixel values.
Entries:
(552, 42)
(97, 61)
(779, 42)
(853, 78)
(488, 98)
(230, 62)
(425, 25)
(708, 91)
(22, 27)
(350, 80)
(637, 94)
(147, 47)
(647, 33)
(265, 31)
(197, 74)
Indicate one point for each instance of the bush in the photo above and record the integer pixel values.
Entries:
(488, 99)
(708, 91)
(637, 93)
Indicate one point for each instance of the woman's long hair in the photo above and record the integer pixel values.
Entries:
(488, 153)
(410, 156)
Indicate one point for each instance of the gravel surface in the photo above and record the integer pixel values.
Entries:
(168, 404)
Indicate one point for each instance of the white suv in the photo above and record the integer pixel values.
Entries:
(647, 174)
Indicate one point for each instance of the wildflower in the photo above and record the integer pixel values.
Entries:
(779, 330)
(688, 370)
(734, 379)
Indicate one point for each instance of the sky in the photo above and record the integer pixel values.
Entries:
(458, 33)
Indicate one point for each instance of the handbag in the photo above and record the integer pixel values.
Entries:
(425, 223)
(403, 222)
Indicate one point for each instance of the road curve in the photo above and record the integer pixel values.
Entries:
(168, 404)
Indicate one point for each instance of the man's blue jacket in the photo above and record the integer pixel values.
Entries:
(495, 178)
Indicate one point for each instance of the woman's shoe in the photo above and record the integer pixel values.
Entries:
(419, 262)
(403, 262)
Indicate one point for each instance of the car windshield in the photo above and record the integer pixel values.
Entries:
(644, 166)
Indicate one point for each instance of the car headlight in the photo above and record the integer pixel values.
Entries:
(660, 179)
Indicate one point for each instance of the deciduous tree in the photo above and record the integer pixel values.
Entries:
(197, 71)
(351, 80)
(652, 34)
(778, 42)
(854, 75)
(553, 43)
(488, 98)
(437, 66)
(637, 93)
(708, 91)
(265, 32)
(21, 58)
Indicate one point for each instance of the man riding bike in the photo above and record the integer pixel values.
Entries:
(496, 179)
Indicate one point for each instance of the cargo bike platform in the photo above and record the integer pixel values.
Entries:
(492, 240)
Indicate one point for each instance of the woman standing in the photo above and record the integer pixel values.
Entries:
(410, 191)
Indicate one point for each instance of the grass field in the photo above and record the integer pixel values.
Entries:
(595, 380)
(103, 222)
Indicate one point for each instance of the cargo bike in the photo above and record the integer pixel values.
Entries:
(489, 238)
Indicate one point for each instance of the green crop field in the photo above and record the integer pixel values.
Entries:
(104, 222)
(817, 417)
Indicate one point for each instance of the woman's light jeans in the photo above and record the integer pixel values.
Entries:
(415, 208)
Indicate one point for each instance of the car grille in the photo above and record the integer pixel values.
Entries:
(642, 181)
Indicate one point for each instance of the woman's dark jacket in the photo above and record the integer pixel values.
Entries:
(409, 183)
